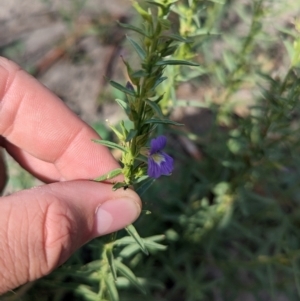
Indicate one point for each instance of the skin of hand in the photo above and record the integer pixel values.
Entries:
(42, 226)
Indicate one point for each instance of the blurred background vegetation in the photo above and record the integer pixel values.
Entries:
(225, 225)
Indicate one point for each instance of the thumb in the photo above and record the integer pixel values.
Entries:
(41, 227)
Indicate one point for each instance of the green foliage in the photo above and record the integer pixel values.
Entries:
(141, 102)
(230, 217)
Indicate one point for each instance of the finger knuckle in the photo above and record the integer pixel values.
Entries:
(59, 233)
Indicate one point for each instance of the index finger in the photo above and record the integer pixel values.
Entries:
(43, 134)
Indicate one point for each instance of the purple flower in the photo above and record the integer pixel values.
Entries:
(159, 163)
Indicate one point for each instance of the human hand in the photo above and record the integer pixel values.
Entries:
(41, 227)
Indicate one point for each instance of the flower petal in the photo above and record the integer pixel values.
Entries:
(157, 169)
(153, 169)
(166, 167)
(157, 144)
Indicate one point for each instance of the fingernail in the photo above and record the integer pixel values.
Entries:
(114, 215)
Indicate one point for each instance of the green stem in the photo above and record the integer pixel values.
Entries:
(140, 99)
(103, 273)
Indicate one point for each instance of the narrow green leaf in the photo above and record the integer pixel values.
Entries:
(127, 273)
(162, 121)
(134, 234)
(132, 133)
(110, 144)
(155, 107)
(122, 88)
(176, 62)
(158, 237)
(123, 282)
(132, 247)
(119, 185)
(118, 134)
(122, 104)
(139, 74)
(140, 179)
(142, 139)
(111, 262)
(169, 51)
(134, 28)
(85, 290)
(165, 23)
(159, 81)
(158, 99)
(111, 286)
(126, 240)
(129, 250)
(140, 51)
(109, 175)
(123, 128)
(142, 12)
(155, 246)
(157, 4)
